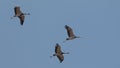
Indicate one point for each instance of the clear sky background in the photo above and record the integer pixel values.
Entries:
(30, 45)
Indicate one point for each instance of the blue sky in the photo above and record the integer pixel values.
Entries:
(30, 45)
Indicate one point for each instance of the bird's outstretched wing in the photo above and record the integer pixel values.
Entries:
(60, 57)
(69, 31)
(57, 48)
(17, 10)
(21, 17)
(59, 52)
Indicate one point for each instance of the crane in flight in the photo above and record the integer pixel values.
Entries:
(19, 14)
(59, 53)
(70, 33)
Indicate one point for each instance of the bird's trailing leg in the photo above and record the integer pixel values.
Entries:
(26, 13)
(77, 37)
(65, 53)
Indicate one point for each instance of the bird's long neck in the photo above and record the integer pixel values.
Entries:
(55, 54)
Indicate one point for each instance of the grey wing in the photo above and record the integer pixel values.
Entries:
(17, 10)
(60, 57)
(69, 31)
(57, 48)
(21, 17)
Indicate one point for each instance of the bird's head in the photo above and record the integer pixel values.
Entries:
(54, 54)
(67, 39)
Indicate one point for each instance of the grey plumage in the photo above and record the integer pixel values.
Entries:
(59, 53)
(70, 33)
(19, 14)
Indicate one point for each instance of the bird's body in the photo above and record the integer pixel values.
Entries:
(19, 14)
(70, 33)
(59, 53)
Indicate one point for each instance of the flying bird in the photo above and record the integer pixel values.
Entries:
(70, 33)
(59, 53)
(19, 14)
